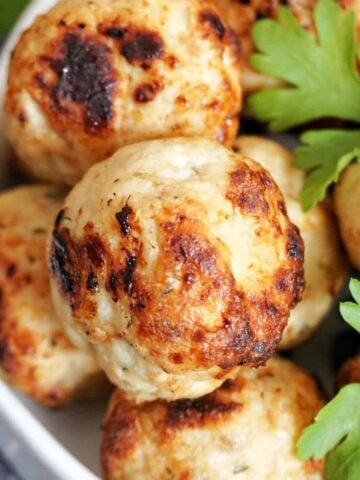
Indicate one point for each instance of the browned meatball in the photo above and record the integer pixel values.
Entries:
(247, 430)
(177, 261)
(90, 77)
(35, 354)
(325, 264)
(349, 372)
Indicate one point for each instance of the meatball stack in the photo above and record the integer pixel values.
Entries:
(173, 264)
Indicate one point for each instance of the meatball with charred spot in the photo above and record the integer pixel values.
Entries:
(246, 429)
(90, 77)
(35, 354)
(325, 265)
(176, 261)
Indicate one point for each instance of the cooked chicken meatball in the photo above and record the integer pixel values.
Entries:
(90, 77)
(35, 354)
(325, 264)
(177, 261)
(246, 429)
(347, 208)
(349, 372)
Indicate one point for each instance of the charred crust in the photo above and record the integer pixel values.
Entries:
(123, 218)
(59, 217)
(213, 21)
(295, 246)
(22, 117)
(10, 270)
(128, 273)
(2, 308)
(142, 47)
(195, 252)
(146, 92)
(214, 24)
(114, 32)
(198, 412)
(176, 358)
(229, 385)
(124, 278)
(86, 81)
(298, 287)
(282, 207)
(92, 283)
(247, 191)
(232, 40)
(268, 8)
(95, 250)
(73, 265)
(61, 265)
(139, 46)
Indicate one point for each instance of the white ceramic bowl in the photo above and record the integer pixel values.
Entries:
(64, 445)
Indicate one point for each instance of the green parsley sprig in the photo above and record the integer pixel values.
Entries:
(325, 153)
(321, 81)
(336, 431)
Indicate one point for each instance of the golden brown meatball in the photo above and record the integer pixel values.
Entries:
(35, 354)
(176, 260)
(89, 77)
(325, 265)
(246, 429)
(349, 372)
(347, 208)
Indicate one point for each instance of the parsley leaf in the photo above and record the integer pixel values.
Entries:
(321, 73)
(337, 430)
(350, 311)
(325, 154)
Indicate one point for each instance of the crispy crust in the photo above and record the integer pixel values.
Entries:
(140, 62)
(179, 439)
(195, 303)
(326, 267)
(35, 354)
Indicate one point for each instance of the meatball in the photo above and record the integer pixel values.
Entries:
(325, 265)
(176, 259)
(35, 354)
(246, 429)
(347, 208)
(90, 77)
(349, 372)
